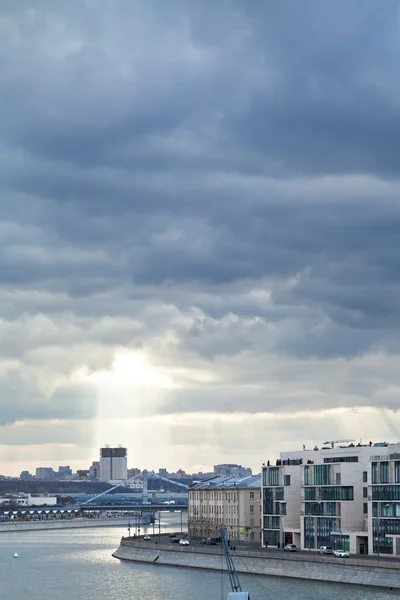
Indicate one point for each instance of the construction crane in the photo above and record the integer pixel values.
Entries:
(237, 593)
(333, 442)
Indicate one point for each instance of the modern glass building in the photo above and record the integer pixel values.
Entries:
(330, 496)
(384, 501)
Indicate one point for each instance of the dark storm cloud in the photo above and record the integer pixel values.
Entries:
(162, 159)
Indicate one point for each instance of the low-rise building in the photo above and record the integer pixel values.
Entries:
(227, 502)
(21, 499)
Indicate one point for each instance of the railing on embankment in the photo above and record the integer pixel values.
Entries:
(385, 574)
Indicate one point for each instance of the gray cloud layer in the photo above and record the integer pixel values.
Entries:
(215, 185)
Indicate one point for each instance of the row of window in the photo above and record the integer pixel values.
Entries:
(380, 472)
(330, 509)
(339, 459)
(344, 492)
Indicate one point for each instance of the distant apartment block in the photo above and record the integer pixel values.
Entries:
(64, 471)
(344, 496)
(113, 464)
(94, 471)
(232, 470)
(133, 472)
(228, 502)
(45, 473)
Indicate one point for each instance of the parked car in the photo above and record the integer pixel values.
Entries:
(290, 548)
(184, 542)
(147, 538)
(175, 540)
(172, 534)
(325, 550)
(208, 541)
(341, 554)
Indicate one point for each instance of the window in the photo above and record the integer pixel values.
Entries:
(251, 495)
(365, 508)
(374, 472)
(286, 480)
(273, 476)
(365, 492)
(279, 493)
(251, 508)
(283, 508)
(397, 472)
(338, 479)
(331, 509)
(310, 493)
(365, 476)
(322, 475)
(307, 475)
(271, 538)
(341, 459)
(268, 501)
(345, 492)
(386, 492)
(384, 472)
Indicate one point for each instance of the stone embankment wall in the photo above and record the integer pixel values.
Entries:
(358, 572)
(61, 524)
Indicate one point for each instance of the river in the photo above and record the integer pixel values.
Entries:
(77, 565)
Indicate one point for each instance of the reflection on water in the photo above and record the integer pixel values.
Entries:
(77, 565)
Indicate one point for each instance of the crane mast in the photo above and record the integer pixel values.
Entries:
(237, 592)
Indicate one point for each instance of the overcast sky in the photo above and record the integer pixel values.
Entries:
(199, 229)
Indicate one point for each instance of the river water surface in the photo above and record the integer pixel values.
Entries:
(77, 565)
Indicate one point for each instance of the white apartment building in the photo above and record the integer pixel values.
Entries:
(113, 464)
(319, 497)
(228, 502)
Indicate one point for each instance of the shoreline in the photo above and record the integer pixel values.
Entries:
(255, 562)
(73, 524)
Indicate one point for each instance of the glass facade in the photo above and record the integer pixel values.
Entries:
(314, 508)
(273, 476)
(397, 472)
(334, 492)
(325, 526)
(340, 542)
(309, 532)
(271, 538)
(268, 501)
(374, 472)
(271, 522)
(380, 529)
(384, 472)
(386, 492)
(322, 475)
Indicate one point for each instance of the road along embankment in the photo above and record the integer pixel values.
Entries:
(61, 524)
(384, 574)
